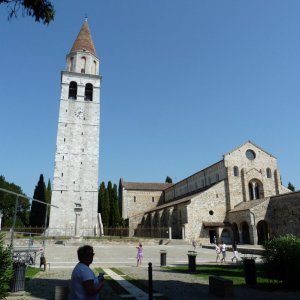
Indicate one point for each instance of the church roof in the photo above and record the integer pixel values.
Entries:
(84, 41)
(253, 145)
(145, 186)
(248, 204)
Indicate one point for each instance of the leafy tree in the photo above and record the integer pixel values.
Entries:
(8, 203)
(38, 210)
(40, 10)
(6, 270)
(281, 259)
(291, 187)
(168, 180)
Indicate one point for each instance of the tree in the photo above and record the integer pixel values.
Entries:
(38, 210)
(105, 210)
(101, 196)
(8, 203)
(114, 212)
(168, 180)
(40, 10)
(281, 259)
(291, 187)
(6, 270)
(48, 199)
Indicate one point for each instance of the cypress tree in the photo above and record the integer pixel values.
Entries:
(110, 199)
(101, 196)
(168, 180)
(48, 199)
(105, 210)
(115, 212)
(38, 210)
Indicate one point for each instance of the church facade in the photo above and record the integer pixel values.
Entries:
(75, 182)
(239, 198)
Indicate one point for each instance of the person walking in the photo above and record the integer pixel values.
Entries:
(223, 250)
(218, 252)
(235, 252)
(84, 283)
(140, 254)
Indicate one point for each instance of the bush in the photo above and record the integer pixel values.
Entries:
(6, 270)
(282, 259)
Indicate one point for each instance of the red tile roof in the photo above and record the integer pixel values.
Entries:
(84, 40)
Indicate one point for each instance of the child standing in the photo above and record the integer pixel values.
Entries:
(140, 254)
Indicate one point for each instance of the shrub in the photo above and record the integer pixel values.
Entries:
(6, 271)
(282, 259)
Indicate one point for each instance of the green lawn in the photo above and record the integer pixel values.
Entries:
(31, 272)
(233, 272)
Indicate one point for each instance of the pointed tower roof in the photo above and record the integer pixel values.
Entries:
(84, 40)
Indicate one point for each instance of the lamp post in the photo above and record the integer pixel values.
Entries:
(77, 210)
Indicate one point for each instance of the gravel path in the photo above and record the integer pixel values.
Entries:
(43, 287)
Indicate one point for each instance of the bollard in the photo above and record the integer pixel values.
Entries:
(163, 258)
(192, 261)
(250, 271)
(150, 286)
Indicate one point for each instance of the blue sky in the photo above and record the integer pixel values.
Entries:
(184, 82)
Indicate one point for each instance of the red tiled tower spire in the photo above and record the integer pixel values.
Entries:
(84, 41)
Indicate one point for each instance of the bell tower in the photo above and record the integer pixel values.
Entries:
(75, 182)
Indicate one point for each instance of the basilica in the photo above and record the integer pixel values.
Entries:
(239, 198)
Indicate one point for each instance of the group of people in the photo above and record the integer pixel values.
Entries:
(85, 285)
(221, 250)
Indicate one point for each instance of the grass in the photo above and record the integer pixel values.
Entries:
(234, 272)
(31, 272)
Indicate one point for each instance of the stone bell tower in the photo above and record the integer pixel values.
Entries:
(75, 182)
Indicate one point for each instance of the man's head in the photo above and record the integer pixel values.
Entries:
(85, 254)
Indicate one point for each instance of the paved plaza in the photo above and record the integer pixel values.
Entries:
(62, 258)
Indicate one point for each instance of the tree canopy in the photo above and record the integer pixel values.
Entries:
(168, 180)
(40, 10)
(38, 210)
(291, 187)
(8, 203)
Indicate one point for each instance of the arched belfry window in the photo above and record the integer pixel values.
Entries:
(88, 93)
(269, 173)
(235, 171)
(73, 90)
(255, 190)
(83, 64)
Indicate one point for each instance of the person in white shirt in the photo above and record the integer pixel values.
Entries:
(84, 283)
(223, 250)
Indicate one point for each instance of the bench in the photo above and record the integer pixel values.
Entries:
(220, 286)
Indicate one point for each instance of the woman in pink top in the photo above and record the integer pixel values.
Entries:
(140, 254)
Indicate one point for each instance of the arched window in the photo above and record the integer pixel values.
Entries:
(255, 190)
(83, 64)
(73, 90)
(71, 67)
(235, 171)
(94, 67)
(88, 94)
(269, 173)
